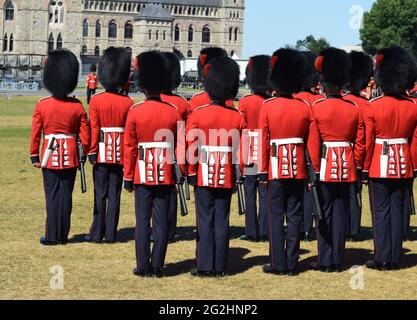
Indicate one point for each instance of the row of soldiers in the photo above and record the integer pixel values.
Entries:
(284, 128)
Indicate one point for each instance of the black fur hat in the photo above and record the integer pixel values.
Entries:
(395, 70)
(60, 75)
(152, 72)
(313, 77)
(223, 79)
(175, 70)
(361, 72)
(206, 55)
(335, 66)
(93, 68)
(257, 73)
(289, 70)
(114, 68)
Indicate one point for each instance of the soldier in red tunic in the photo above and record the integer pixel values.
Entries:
(108, 113)
(181, 103)
(203, 98)
(92, 83)
(286, 125)
(360, 76)
(311, 94)
(149, 147)
(256, 223)
(214, 130)
(391, 153)
(60, 120)
(338, 122)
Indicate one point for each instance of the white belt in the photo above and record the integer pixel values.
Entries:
(281, 142)
(392, 142)
(60, 136)
(343, 144)
(211, 149)
(113, 130)
(253, 134)
(155, 145)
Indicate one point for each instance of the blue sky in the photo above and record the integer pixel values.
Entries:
(270, 24)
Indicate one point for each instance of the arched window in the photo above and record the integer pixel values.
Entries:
(5, 40)
(236, 34)
(190, 34)
(11, 43)
(177, 33)
(85, 28)
(9, 10)
(59, 42)
(230, 34)
(150, 34)
(128, 30)
(84, 50)
(129, 51)
(164, 36)
(112, 29)
(97, 51)
(206, 34)
(157, 35)
(98, 29)
(51, 42)
(190, 54)
(56, 12)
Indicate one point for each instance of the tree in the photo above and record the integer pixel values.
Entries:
(388, 23)
(312, 44)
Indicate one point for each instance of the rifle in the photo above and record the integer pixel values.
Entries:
(240, 194)
(82, 160)
(187, 190)
(180, 184)
(312, 180)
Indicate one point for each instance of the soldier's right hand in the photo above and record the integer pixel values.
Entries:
(92, 158)
(128, 185)
(36, 162)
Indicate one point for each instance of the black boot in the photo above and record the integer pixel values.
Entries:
(48, 243)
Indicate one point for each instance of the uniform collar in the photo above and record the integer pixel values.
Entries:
(158, 99)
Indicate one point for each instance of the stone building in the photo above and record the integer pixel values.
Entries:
(87, 27)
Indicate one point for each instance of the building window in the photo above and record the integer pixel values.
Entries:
(230, 34)
(97, 51)
(9, 10)
(98, 29)
(150, 34)
(5, 43)
(51, 42)
(59, 42)
(190, 54)
(85, 28)
(112, 29)
(11, 43)
(177, 33)
(56, 12)
(236, 34)
(157, 35)
(128, 30)
(206, 34)
(164, 35)
(84, 50)
(190, 34)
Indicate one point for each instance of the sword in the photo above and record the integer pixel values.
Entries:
(48, 152)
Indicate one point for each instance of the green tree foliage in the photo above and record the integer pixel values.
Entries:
(388, 23)
(312, 44)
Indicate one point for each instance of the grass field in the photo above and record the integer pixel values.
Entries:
(105, 271)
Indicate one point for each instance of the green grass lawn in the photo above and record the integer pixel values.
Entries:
(105, 271)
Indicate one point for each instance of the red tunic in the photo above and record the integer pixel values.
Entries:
(310, 97)
(108, 113)
(391, 138)
(203, 99)
(150, 139)
(92, 81)
(286, 124)
(215, 131)
(60, 121)
(338, 122)
(180, 102)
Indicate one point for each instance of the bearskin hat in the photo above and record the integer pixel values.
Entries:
(361, 72)
(335, 66)
(288, 70)
(206, 55)
(223, 79)
(257, 73)
(175, 70)
(60, 75)
(313, 77)
(152, 72)
(93, 68)
(395, 70)
(114, 68)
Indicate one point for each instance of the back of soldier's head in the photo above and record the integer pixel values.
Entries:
(222, 79)
(152, 72)
(114, 68)
(361, 72)
(60, 75)
(205, 57)
(175, 70)
(257, 72)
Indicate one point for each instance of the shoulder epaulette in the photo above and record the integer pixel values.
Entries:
(98, 93)
(270, 99)
(137, 104)
(302, 100)
(44, 98)
(377, 98)
(320, 100)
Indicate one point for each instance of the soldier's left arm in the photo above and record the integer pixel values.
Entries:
(359, 143)
(263, 126)
(413, 151)
(36, 136)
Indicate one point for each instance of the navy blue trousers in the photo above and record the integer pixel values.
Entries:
(151, 202)
(354, 216)
(213, 212)
(407, 211)
(285, 199)
(256, 222)
(331, 233)
(173, 215)
(108, 183)
(388, 205)
(59, 186)
(308, 207)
